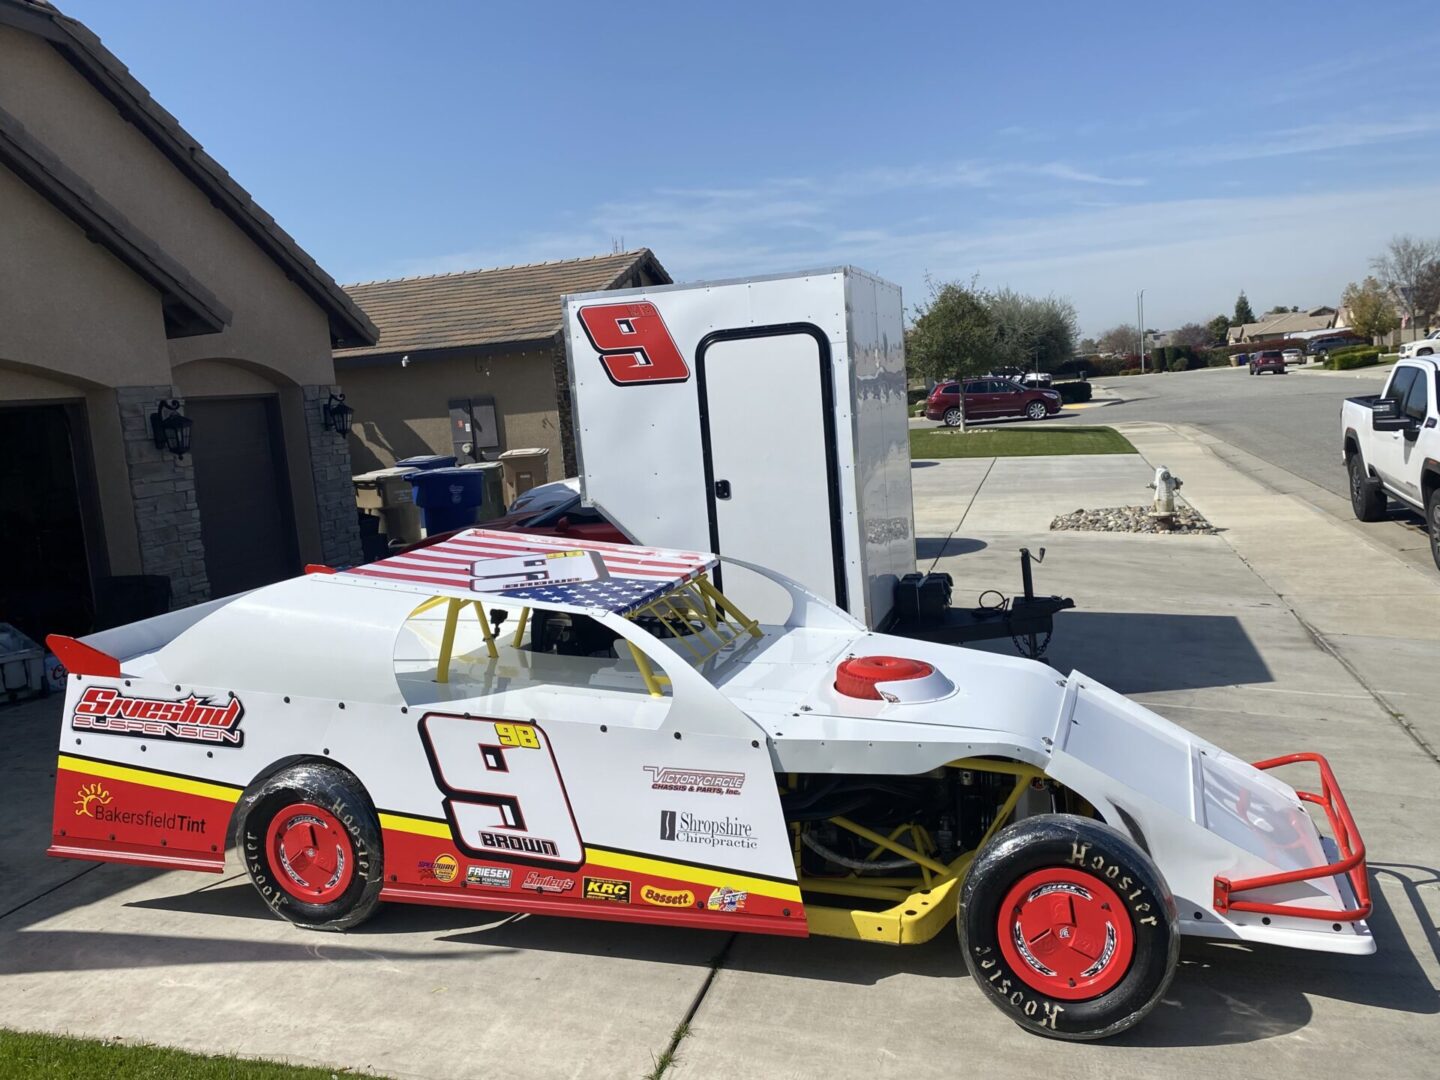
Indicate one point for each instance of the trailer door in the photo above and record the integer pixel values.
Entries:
(767, 421)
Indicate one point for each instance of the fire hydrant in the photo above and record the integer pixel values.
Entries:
(1165, 485)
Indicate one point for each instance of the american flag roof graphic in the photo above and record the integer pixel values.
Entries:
(623, 579)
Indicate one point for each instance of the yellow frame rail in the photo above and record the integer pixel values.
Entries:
(919, 913)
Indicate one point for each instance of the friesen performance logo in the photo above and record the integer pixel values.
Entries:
(694, 781)
(190, 719)
(689, 828)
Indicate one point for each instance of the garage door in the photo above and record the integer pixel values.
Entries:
(243, 493)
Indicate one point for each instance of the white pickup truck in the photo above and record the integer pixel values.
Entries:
(1429, 345)
(1392, 445)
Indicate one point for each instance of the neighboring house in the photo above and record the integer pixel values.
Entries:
(473, 358)
(1281, 323)
(134, 269)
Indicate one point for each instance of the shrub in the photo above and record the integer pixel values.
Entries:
(916, 396)
(1347, 359)
(1074, 391)
(1130, 371)
(1217, 358)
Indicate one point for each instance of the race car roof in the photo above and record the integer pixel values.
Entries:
(548, 570)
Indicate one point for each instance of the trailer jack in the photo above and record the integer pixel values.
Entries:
(922, 603)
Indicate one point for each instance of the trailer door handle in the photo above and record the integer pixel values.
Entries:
(722, 489)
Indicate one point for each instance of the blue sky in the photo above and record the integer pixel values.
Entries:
(1085, 150)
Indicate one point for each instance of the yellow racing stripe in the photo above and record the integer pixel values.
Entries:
(680, 872)
(418, 826)
(111, 771)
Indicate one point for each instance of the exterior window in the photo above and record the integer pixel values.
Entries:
(1400, 384)
(1415, 404)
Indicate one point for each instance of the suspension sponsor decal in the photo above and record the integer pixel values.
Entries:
(687, 828)
(191, 719)
(694, 781)
(611, 889)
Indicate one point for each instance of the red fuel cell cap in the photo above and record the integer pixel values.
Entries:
(856, 676)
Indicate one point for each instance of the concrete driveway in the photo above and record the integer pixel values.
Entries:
(1238, 636)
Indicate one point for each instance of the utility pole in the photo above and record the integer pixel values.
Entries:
(1140, 325)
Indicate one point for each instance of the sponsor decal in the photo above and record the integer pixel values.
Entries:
(694, 781)
(94, 801)
(88, 798)
(497, 877)
(442, 868)
(687, 828)
(543, 883)
(666, 897)
(727, 899)
(189, 719)
(508, 842)
(599, 888)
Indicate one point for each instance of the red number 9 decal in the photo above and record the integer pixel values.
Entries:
(633, 342)
(504, 797)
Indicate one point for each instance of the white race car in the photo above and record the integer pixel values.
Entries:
(536, 724)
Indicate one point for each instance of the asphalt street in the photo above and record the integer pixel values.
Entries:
(1291, 421)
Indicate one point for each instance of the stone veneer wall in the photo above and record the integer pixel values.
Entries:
(167, 517)
(334, 491)
(564, 407)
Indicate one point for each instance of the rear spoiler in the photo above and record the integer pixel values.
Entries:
(104, 652)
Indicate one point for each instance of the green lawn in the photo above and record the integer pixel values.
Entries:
(1016, 442)
(43, 1057)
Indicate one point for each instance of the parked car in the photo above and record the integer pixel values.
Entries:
(1426, 346)
(1293, 356)
(1391, 444)
(989, 399)
(1271, 360)
(1037, 380)
(1326, 345)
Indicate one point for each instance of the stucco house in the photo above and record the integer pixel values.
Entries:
(473, 358)
(133, 271)
(1280, 323)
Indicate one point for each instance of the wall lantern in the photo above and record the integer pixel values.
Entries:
(336, 415)
(170, 429)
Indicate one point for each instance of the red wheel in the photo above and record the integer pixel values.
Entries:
(856, 677)
(311, 853)
(1065, 933)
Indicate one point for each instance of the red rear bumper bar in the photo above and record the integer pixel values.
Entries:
(1347, 839)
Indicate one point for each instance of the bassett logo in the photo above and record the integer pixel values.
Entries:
(666, 897)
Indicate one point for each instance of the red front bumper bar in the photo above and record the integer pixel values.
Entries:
(1347, 840)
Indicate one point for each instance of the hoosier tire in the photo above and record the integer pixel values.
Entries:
(1068, 927)
(312, 847)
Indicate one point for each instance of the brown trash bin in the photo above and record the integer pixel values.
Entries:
(524, 469)
(388, 495)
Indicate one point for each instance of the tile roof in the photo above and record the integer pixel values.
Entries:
(487, 307)
(83, 49)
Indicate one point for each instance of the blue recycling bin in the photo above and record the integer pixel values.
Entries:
(427, 462)
(449, 498)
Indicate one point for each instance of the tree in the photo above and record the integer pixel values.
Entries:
(1032, 332)
(1244, 313)
(1087, 346)
(1191, 335)
(1371, 311)
(1121, 340)
(1408, 268)
(1217, 328)
(953, 334)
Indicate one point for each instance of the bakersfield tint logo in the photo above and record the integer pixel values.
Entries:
(88, 798)
(190, 719)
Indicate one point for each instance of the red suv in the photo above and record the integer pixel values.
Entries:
(1271, 360)
(986, 399)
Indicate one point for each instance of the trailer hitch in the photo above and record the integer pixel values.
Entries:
(922, 605)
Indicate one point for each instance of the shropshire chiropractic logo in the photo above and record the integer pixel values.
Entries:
(89, 797)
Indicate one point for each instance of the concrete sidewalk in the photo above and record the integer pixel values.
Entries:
(1258, 637)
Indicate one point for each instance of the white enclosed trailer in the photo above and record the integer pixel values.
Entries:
(763, 419)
